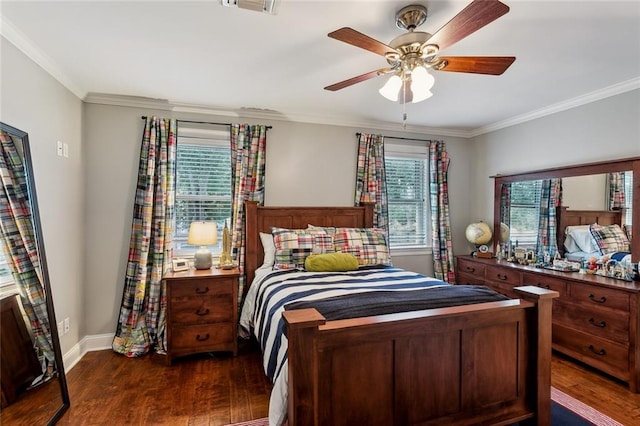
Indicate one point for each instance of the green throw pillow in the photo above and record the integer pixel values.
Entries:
(331, 262)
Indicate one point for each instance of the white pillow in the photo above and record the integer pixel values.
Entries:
(581, 235)
(269, 249)
(570, 244)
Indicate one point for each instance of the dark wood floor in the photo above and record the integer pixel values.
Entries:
(106, 388)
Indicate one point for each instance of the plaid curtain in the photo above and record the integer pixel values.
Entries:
(19, 244)
(550, 198)
(616, 191)
(371, 180)
(505, 203)
(142, 320)
(440, 220)
(248, 153)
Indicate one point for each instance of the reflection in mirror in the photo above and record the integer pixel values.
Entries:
(521, 203)
(34, 388)
(587, 191)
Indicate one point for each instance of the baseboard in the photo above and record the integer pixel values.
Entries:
(97, 342)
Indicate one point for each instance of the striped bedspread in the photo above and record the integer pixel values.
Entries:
(267, 297)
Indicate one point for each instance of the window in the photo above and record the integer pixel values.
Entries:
(203, 184)
(406, 169)
(525, 212)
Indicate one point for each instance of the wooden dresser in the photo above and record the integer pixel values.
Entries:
(202, 312)
(18, 361)
(595, 319)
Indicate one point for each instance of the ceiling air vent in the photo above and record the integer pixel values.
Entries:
(266, 6)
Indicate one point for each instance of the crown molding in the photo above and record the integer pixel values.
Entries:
(128, 101)
(616, 89)
(26, 46)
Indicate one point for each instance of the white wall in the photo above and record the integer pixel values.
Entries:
(306, 164)
(599, 131)
(34, 102)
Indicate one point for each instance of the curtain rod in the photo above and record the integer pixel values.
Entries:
(397, 137)
(144, 117)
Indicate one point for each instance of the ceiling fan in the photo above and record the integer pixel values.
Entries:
(411, 54)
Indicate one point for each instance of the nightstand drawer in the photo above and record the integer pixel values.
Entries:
(199, 337)
(200, 287)
(185, 310)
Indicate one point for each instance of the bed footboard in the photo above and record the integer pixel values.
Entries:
(486, 363)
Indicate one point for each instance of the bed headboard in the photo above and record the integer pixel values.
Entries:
(261, 219)
(568, 217)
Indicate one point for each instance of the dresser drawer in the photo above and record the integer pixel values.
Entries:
(470, 268)
(463, 279)
(598, 322)
(504, 289)
(599, 296)
(181, 288)
(503, 275)
(194, 309)
(608, 356)
(197, 338)
(542, 281)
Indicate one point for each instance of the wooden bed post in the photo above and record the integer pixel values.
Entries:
(541, 352)
(301, 326)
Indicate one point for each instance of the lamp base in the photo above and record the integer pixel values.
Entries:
(202, 259)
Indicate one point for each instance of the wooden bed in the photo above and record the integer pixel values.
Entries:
(566, 217)
(486, 363)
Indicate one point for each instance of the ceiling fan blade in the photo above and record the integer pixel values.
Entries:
(355, 38)
(494, 65)
(473, 17)
(354, 80)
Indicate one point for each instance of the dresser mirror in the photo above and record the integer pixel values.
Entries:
(584, 187)
(34, 387)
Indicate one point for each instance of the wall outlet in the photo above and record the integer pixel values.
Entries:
(66, 325)
(60, 328)
(60, 148)
(65, 150)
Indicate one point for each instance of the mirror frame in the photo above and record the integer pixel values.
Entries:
(46, 284)
(619, 165)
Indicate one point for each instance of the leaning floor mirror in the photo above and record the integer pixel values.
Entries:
(34, 387)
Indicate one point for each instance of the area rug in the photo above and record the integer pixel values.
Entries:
(565, 411)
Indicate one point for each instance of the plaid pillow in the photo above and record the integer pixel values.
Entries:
(294, 245)
(368, 245)
(609, 238)
(627, 231)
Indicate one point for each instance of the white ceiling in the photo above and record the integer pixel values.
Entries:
(202, 53)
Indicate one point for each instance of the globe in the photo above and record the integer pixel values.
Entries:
(478, 233)
(504, 232)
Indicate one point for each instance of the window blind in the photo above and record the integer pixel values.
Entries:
(203, 187)
(525, 212)
(5, 274)
(407, 201)
(628, 196)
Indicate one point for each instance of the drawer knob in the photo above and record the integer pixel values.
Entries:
(202, 312)
(202, 291)
(601, 352)
(502, 277)
(202, 339)
(601, 324)
(593, 298)
(544, 286)
(470, 269)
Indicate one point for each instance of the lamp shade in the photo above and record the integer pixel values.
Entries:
(391, 88)
(421, 83)
(202, 234)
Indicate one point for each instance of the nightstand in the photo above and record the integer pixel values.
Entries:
(202, 311)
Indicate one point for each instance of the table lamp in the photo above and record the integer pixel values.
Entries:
(202, 234)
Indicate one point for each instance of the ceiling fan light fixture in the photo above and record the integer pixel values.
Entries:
(391, 89)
